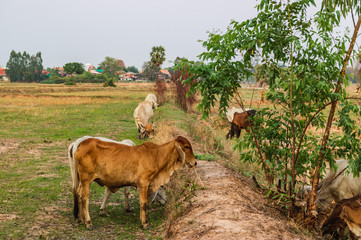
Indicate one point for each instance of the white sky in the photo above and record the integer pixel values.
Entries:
(87, 31)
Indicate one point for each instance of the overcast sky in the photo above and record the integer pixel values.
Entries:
(87, 31)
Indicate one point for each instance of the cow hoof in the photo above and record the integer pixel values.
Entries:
(103, 214)
(146, 226)
(89, 227)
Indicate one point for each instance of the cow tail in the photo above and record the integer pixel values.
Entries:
(75, 179)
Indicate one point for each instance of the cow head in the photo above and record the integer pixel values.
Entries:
(185, 151)
(154, 105)
(146, 131)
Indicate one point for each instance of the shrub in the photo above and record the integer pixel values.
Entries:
(53, 80)
(184, 102)
(69, 81)
(109, 81)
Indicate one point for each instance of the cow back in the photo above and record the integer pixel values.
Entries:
(143, 113)
(230, 112)
(338, 185)
(152, 99)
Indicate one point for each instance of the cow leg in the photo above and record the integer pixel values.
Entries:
(126, 200)
(238, 133)
(81, 210)
(231, 132)
(103, 211)
(84, 198)
(143, 199)
(228, 134)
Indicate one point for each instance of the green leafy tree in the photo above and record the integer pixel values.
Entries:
(24, 68)
(13, 68)
(132, 69)
(157, 56)
(309, 64)
(74, 68)
(110, 65)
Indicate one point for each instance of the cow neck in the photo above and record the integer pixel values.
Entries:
(167, 164)
(168, 155)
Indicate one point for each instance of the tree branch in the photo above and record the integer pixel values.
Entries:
(316, 177)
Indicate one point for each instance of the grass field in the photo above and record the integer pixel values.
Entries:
(37, 124)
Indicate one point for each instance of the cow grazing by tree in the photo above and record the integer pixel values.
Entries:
(337, 185)
(117, 165)
(240, 121)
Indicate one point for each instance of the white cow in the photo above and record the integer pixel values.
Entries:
(152, 99)
(337, 186)
(142, 115)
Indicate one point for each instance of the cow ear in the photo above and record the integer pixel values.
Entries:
(181, 153)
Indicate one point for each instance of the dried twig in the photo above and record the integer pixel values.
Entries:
(199, 179)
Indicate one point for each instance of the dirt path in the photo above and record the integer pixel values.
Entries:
(229, 208)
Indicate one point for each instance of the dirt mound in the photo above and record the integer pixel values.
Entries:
(229, 208)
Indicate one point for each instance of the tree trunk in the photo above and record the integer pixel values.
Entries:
(316, 177)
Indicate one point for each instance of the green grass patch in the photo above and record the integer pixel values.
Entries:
(35, 179)
(205, 156)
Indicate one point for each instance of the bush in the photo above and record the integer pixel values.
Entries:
(53, 80)
(69, 81)
(87, 77)
(109, 81)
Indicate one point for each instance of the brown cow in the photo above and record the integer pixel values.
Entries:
(116, 165)
(158, 196)
(240, 121)
(71, 149)
(347, 211)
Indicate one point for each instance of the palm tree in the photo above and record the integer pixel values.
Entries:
(157, 56)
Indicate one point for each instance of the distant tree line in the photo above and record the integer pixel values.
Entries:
(23, 67)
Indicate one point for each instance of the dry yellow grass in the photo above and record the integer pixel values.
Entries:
(33, 101)
(165, 132)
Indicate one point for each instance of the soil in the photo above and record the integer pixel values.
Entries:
(230, 207)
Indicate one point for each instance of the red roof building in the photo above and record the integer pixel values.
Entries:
(121, 63)
(165, 72)
(2, 72)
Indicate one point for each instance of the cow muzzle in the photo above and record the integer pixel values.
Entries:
(192, 163)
